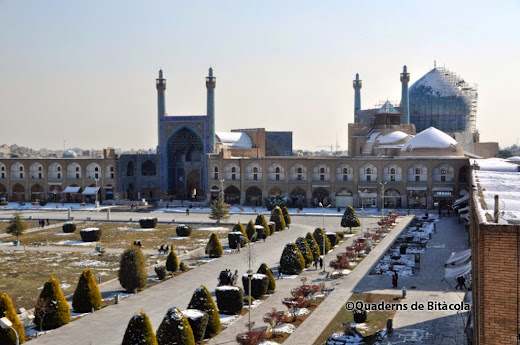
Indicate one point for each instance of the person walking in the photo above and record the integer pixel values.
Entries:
(280, 276)
(461, 282)
(321, 263)
(315, 263)
(187, 211)
(394, 279)
(239, 244)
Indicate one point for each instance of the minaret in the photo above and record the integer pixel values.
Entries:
(405, 109)
(357, 98)
(161, 107)
(210, 85)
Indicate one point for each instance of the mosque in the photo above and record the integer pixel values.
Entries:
(389, 163)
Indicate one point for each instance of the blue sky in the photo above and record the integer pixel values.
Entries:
(84, 71)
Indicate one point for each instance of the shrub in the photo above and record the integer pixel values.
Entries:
(68, 227)
(286, 215)
(248, 300)
(272, 202)
(240, 228)
(350, 219)
(292, 261)
(251, 337)
(16, 225)
(277, 217)
(183, 230)
(219, 210)
(263, 269)
(230, 299)
(272, 227)
(148, 223)
(235, 237)
(160, 271)
(86, 296)
(132, 270)
(90, 234)
(259, 285)
(260, 220)
(139, 331)
(319, 235)
(182, 266)
(341, 235)
(311, 241)
(43, 202)
(198, 321)
(175, 329)
(306, 251)
(360, 315)
(52, 310)
(333, 239)
(7, 310)
(202, 300)
(172, 262)
(251, 232)
(214, 248)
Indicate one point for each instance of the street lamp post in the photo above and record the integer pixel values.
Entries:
(382, 198)
(96, 191)
(324, 235)
(5, 323)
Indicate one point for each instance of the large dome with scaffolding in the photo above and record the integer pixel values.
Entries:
(444, 100)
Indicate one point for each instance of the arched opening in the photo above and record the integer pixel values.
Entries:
(253, 196)
(37, 192)
(148, 191)
(185, 152)
(148, 169)
(320, 195)
(130, 169)
(54, 193)
(232, 195)
(298, 197)
(18, 193)
(344, 198)
(130, 191)
(3, 191)
(417, 199)
(463, 174)
(193, 185)
(392, 198)
(274, 192)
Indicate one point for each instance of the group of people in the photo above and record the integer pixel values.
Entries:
(226, 278)
(138, 244)
(41, 223)
(316, 262)
(163, 249)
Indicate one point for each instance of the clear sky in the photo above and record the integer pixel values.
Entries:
(84, 71)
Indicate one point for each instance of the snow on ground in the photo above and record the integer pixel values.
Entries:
(125, 228)
(267, 342)
(76, 243)
(228, 320)
(343, 339)
(53, 206)
(65, 286)
(285, 328)
(174, 237)
(211, 228)
(62, 233)
(299, 312)
(89, 263)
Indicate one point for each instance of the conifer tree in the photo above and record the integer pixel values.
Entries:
(175, 329)
(182, 266)
(286, 216)
(86, 296)
(172, 262)
(240, 228)
(260, 220)
(7, 310)
(132, 269)
(350, 219)
(52, 310)
(311, 241)
(202, 300)
(139, 331)
(320, 236)
(292, 261)
(219, 210)
(303, 246)
(251, 231)
(16, 226)
(214, 247)
(277, 217)
(263, 269)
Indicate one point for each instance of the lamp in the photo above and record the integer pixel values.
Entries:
(382, 198)
(96, 191)
(323, 228)
(5, 323)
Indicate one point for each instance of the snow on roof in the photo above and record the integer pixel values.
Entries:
(392, 137)
(430, 138)
(494, 164)
(439, 82)
(387, 108)
(505, 185)
(513, 159)
(237, 140)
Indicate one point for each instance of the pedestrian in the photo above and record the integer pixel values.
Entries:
(187, 211)
(315, 263)
(461, 281)
(321, 263)
(264, 236)
(239, 244)
(280, 276)
(48, 223)
(234, 279)
(394, 279)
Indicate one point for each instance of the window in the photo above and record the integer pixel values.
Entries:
(369, 171)
(77, 168)
(443, 171)
(40, 168)
(111, 175)
(300, 170)
(77, 175)
(96, 175)
(277, 172)
(392, 178)
(215, 173)
(392, 171)
(255, 177)
(369, 177)
(299, 177)
(59, 175)
(345, 177)
(443, 178)
(21, 168)
(418, 171)
(59, 169)
(3, 175)
(21, 175)
(277, 177)
(417, 178)
(96, 169)
(40, 175)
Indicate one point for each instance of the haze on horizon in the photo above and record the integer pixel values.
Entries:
(84, 72)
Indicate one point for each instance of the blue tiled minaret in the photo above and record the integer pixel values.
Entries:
(357, 97)
(210, 85)
(405, 109)
(161, 106)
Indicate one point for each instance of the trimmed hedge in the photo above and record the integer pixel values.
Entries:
(202, 300)
(139, 331)
(160, 271)
(175, 329)
(52, 310)
(234, 238)
(333, 238)
(198, 321)
(306, 251)
(311, 241)
(240, 228)
(87, 295)
(7, 310)
(277, 217)
(183, 230)
(90, 234)
(182, 266)
(259, 284)
(260, 220)
(341, 235)
(251, 232)
(263, 269)
(214, 247)
(172, 262)
(319, 234)
(68, 227)
(148, 223)
(132, 269)
(286, 216)
(230, 299)
(292, 261)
